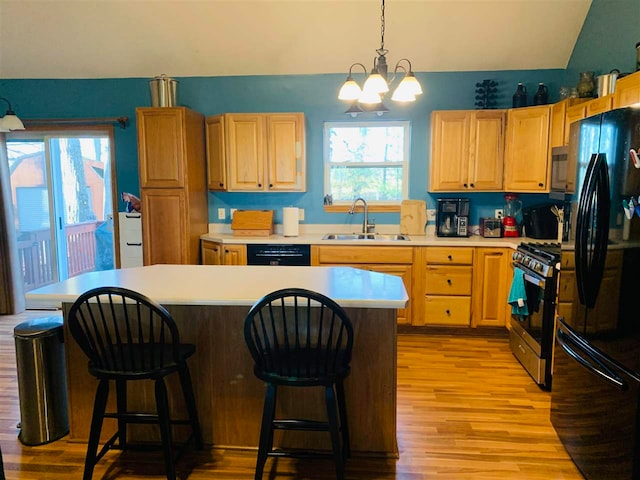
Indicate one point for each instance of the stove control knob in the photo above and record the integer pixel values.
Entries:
(537, 267)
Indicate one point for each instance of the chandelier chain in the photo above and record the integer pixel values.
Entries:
(381, 50)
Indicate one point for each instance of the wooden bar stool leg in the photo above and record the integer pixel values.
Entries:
(190, 401)
(99, 407)
(162, 404)
(266, 430)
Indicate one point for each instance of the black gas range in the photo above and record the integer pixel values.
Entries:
(536, 266)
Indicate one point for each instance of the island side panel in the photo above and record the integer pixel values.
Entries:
(230, 397)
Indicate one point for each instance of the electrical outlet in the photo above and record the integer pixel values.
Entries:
(431, 214)
(498, 213)
(301, 214)
(221, 214)
(232, 211)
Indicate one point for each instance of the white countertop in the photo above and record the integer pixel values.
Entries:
(414, 240)
(231, 285)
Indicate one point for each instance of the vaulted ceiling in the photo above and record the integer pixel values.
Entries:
(180, 38)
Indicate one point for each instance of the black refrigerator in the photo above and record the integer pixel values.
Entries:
(595, 399)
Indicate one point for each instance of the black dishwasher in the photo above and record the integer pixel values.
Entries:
(278, 254)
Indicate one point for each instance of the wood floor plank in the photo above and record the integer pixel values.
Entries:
(466, 410)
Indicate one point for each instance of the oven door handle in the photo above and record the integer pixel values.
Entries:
(540, 282)
(594, 366)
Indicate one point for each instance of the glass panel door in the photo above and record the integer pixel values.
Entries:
(32, 213)
(63, 204)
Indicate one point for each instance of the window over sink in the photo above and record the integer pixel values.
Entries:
(368, 160)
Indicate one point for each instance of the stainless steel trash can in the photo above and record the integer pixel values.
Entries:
(42, 380)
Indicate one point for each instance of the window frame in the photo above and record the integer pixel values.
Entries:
(374, 205)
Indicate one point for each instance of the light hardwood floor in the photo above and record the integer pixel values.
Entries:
(466, 410)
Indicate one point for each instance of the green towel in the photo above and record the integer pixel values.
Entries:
(518, 295)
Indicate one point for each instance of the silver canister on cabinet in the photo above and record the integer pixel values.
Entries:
(164, 91)
(606, 84)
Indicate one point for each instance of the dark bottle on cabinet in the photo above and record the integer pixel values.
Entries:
(542, 95)
(520, 97)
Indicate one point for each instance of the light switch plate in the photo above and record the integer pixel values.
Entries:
(301, 214)
(221, 214)
(431, 214)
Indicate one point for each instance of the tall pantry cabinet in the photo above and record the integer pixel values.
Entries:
(173, 188)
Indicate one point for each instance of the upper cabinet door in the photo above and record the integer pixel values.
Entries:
(527, 165)
(450, 132)
(216, 156)
(161, 148)
(487, 150)
(627, 91)
(285, 148)
(245, 150)
(467, 150)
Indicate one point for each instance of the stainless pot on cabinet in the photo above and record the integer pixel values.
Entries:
(606, 84)
(163, 91)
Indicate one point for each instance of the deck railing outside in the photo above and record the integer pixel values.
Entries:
(36, 259)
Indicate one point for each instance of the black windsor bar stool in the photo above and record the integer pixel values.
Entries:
(300, 338)
(127, 337)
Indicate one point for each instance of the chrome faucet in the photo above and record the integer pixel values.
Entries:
(366, 226)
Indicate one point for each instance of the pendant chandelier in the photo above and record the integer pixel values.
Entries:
(10, 120)
(369, 98)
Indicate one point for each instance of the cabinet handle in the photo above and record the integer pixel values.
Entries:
(449, 281)
(541, 184)
(473, 186)
(134, 244)
(465, 185)
(447, 312)
(260, 185)
(449, 257)
(271, 185)
(222, 184)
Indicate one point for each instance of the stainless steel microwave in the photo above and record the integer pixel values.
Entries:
(559, 161)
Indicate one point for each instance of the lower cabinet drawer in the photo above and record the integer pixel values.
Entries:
(448, 280)
(446, 310)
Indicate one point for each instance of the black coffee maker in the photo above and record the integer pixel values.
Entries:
(452, 217)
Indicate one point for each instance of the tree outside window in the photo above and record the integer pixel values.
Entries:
(367, 159)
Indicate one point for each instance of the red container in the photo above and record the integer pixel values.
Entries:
(510, 227)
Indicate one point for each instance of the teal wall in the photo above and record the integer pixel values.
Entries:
(608, 38)
(315, 95)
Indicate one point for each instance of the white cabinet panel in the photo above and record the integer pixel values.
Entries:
(130, 239)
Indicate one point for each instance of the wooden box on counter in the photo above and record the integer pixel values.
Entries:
(252, 223)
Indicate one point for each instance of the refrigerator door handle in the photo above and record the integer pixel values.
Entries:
(592, 230)
(594, 366)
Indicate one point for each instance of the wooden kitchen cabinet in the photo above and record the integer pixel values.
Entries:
(256, 152)
(447, 285)
(216, 157)
(215, 253)
(527, 162)
(390, 260)
(467, 150)
(605, 312)
(627, 91)
(491, 284)
(173, 192)
(598, 105)
(559, 127)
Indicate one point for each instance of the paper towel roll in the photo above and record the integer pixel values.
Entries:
(290, 221)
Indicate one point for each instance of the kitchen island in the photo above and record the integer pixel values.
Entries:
(209, 304)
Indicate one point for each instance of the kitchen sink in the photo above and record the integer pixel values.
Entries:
(365, 236)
